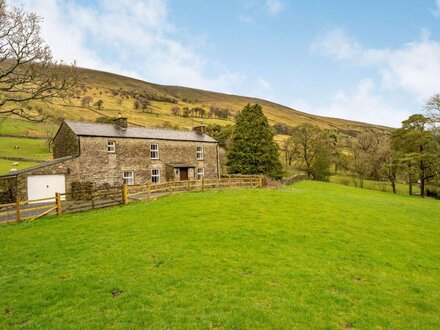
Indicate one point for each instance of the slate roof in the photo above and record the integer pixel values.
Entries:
(110, 130)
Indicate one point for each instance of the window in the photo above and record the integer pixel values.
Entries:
(199, 153)
(200, 173)
(154, 151)
(111, 147)
(128, 177)
(155, 175)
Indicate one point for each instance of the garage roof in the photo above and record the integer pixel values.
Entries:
(41, 165)
(110, 130)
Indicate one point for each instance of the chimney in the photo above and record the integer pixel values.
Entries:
(121, 122)
(200, 129)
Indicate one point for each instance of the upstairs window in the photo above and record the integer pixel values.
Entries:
(128, 177)
(154, 151)
(199, 153)
(200, 173)
(111, 147)
(155, 175)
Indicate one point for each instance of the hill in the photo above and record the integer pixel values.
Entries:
(312, 255)
(151, 105)
(119, 94)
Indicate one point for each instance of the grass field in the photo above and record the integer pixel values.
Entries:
(6, 166)
(375, 185)
(28, 148)
(312, 255)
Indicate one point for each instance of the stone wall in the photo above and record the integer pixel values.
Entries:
(99, 166)
(293, 179)
(8, 190)
(70, 169)
(66, 142)
(94, 164)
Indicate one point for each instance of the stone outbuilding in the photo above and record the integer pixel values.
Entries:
(113, 154)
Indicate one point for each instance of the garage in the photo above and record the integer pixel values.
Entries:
(45, 186)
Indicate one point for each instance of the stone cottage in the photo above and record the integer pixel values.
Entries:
(111, 154)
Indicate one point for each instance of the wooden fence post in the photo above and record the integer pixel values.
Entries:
(148, 191)
(203, 183)
(241, 181)
(189, 184)
(58, 202)
(229, 181)
(18, 208)
(170, 187)
(124, 194)
(260, 182)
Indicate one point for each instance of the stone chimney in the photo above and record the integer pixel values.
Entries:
(121, 122)
(200, 129)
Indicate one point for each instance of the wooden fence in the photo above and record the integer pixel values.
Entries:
(84, 200)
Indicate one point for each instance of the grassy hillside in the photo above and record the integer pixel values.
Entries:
(119, 93)
(313, 255)
(35, 149)
(27, 152)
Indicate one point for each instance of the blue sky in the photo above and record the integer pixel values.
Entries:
(374, 61)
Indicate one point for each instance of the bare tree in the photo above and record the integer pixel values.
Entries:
(307, 144)
(86, 100)
(49, 132)
(432, 107)
(367, 156)
(27, 69)
(136, 104)
(175, 111)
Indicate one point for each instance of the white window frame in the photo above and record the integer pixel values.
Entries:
(154, 153)
(111, 147)
(128, 177)
(157, 175)
(200, 152)
(200, 173)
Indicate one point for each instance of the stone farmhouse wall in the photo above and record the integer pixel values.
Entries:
(66, 143)
(18, 183)
(89, 161)
(99, 166)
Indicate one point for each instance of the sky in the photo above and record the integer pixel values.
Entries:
(369, 60)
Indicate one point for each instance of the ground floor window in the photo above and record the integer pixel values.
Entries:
(200, 173)
(155, 175)
(128, 177)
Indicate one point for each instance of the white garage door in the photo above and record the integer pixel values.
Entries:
(45, 186)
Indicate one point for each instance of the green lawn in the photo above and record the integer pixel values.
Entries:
(6, 166)
(309, 256)
(29, 148)
(375, 185)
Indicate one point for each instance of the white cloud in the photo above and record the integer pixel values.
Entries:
(337, 44)
(263, 83)
(274, 7)
(409, 72)
(246, 19)
(364, 103)
(436, 12)
(132, 37)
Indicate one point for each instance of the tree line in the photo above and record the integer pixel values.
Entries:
(198, 112)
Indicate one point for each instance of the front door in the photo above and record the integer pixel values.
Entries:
(183, 174)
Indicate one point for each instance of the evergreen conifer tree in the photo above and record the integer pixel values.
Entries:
(253, 149)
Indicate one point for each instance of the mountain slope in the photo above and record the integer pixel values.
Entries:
(119, 94)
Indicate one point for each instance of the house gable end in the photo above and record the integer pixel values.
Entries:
(66, 142)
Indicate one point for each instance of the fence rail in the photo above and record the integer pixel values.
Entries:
(89, 199)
